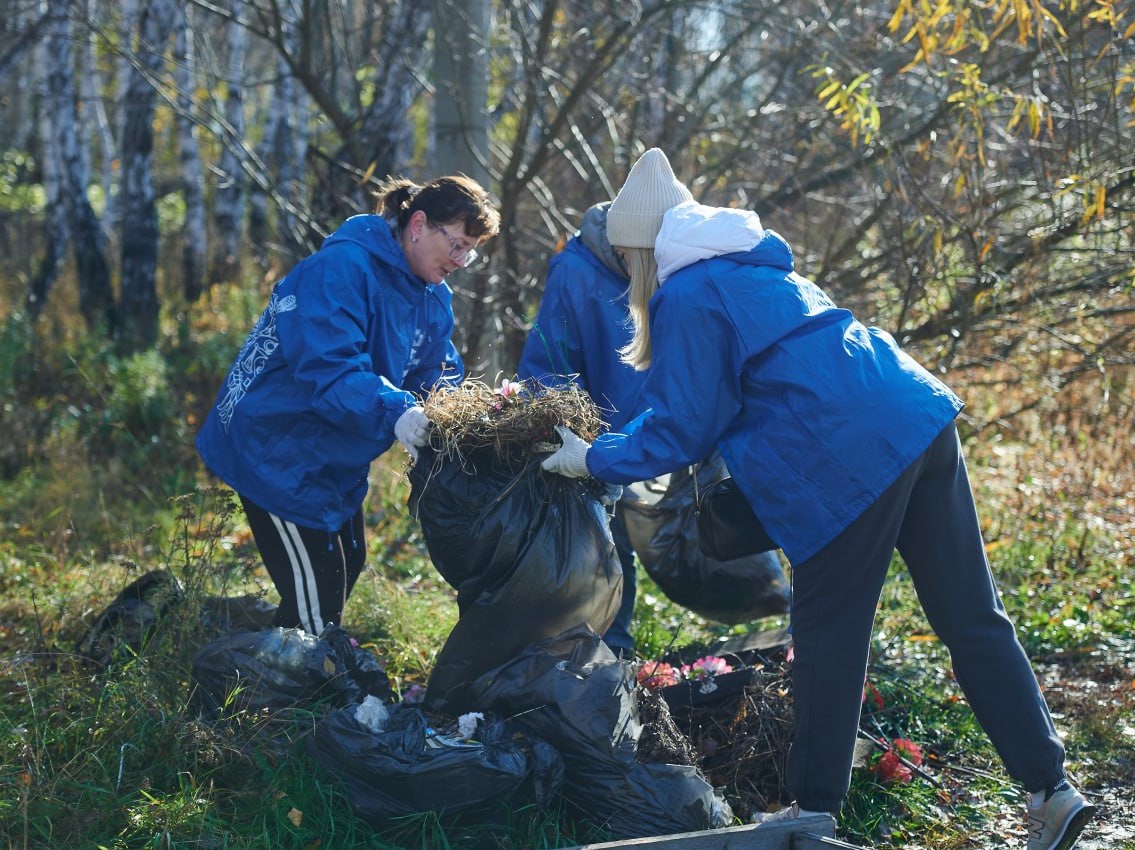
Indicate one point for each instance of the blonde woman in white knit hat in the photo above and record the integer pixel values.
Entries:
(846, 449)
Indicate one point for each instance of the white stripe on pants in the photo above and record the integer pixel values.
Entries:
(306, 590)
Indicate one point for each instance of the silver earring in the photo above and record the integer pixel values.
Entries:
(413, 238)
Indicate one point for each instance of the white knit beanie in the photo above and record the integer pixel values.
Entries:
(635, 216)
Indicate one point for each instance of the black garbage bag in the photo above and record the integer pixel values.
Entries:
(663, 531)
(572, 692)
(132, 618)
(282, 668)
(400, 766)
(220, 614)
(125, 625)
(530, 554)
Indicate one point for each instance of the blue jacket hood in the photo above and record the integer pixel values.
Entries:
(376, 236)
(583, 322)
(593, 234)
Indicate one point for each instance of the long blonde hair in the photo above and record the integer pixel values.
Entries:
(643, 270)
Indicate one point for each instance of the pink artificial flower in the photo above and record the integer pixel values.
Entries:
(510, 389)
(414, 695)
(707, 667)
(656, 674)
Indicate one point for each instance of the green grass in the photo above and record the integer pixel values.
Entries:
(118, 758)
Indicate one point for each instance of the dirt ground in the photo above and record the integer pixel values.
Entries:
(740, 740)
(1095, 691)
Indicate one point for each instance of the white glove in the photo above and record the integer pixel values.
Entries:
(412, 430)
(570, 459)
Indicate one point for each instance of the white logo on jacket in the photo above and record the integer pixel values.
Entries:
(414, 358)
(253, 356)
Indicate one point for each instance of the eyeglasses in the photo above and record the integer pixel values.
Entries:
(462, 256)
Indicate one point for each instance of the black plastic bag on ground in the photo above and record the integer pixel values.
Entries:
(282, 668)
(125, 625)
(402, 767)
(530, 554)
(663, 530)
(572, 692)
(221, 614)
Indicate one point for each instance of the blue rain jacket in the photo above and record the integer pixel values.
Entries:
(814, 413)
(350, 338)
(583, 322)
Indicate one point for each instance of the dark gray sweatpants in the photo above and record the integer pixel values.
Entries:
(928, 514)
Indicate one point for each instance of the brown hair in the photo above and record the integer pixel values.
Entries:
(443, 200)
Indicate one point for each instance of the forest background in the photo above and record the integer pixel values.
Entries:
(959, 173)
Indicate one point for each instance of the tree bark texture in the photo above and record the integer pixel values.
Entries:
(194, 250)
(72, 217)
(461, 144)
(139, 226)
(283, 150)
(229, 193)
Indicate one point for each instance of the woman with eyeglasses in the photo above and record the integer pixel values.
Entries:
(331, 376)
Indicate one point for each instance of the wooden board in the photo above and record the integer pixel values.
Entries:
(808, 833)
(765, 641)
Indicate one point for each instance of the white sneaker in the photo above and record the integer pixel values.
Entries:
(1057, 822)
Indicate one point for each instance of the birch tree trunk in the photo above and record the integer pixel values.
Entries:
(66, 174)
(385, 141)
(96, 122)
(461, 71)
(126, 25)
(299, 239)
(284, 148)
(461, 126)
(194, 250)
(389, 128)
(287, 146)
(55, 224)
(139, 298)
(228, 197)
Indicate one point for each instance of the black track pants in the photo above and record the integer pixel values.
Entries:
(314, 570)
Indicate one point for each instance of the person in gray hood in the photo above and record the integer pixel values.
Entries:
(331, 376)
(581, 326)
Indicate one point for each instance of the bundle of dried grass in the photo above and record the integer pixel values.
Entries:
(742, 741)
(512, 419)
